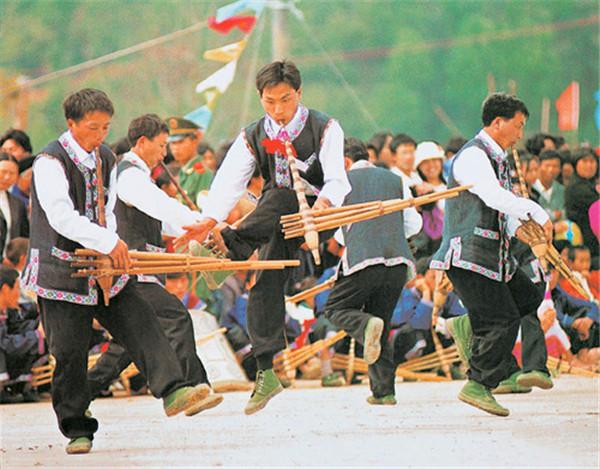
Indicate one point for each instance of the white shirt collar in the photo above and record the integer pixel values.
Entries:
(86, 158)
(137, 162)
(293, 127)
(483, 135)
(360, 164)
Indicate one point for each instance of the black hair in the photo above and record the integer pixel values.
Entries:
(203, 147)
(278, 72)
(174, 275)
(148, 125)
(402, 139)
(18, 136)
(377, 141)
(501, 105)
(550, 155)
(163, 179)
(8, 276)
(121, 146)
(573, 250)
(535, 143)
(16, 248)
(455, 144)
(78, 104)
(7, 157)
(355, 149)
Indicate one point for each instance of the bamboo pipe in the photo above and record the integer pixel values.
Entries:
(234, 265)
(211, 335)
(104, 283)
(189, 202)
(387, 207)
(311, 292)
(310, 234)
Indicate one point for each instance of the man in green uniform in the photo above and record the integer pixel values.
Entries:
(194, 175)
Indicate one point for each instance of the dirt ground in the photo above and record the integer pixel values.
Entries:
(311, 426)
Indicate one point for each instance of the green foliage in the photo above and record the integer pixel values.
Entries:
(399, 59)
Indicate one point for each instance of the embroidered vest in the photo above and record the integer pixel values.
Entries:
(48, 271)
(381, 240)
(475, 236)
(307, 145)
(139, 230)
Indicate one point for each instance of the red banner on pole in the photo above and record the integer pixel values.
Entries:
(567, 107)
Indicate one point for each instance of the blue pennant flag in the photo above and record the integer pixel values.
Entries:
(200, 116)
(234, 8)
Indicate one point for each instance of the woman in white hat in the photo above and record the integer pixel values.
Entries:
(429, 160)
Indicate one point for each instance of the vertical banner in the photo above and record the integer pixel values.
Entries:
(567, 106)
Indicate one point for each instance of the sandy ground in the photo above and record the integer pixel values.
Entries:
(326, 427)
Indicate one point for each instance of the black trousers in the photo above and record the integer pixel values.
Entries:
(177, 324)
(131, 321)
(495, 310)
(266, 304)
(534, 353)
(373, 291)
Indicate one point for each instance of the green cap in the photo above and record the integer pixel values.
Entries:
(179, 128)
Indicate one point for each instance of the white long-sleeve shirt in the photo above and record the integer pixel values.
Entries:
(52, 189)
(233, 176)
(135, 187)
(474, 167)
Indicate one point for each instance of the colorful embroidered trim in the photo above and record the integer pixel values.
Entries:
(489, 234)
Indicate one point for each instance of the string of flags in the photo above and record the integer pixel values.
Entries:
(241, 15)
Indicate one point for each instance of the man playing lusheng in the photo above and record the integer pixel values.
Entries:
(475, 251)
(319, 143)
(65, 215)
(143, 212)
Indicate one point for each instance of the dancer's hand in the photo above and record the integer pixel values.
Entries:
(198, 231)
(322, 203)
(120, 255)
(548, 231)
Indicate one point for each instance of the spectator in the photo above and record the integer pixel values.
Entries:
(552, 193)
(22, 189)
(539, 142)
(530, 168)
(208, 156)
(379, 150)
(579, 260)
(566, 169)
(178, 284)
(403, 148)
(581, 194)
(452, 148)
(21, 341)
(16, 143)
(13, 213)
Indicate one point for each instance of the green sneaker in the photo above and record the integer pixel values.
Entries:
(333, 380)
(535, 378)
(390, 399)
(479, 396)
(372, 343)
(511, 386)
(267, 386)
(460, 330)
(212, 400)
(81, 445)
(184, 398)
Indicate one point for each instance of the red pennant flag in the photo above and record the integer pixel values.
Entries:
(567, 106)
(301, 339)
(276, 146)
(243, 23)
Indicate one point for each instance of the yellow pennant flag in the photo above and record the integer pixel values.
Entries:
(226, 53)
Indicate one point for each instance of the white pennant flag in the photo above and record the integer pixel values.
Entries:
(220, 80)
